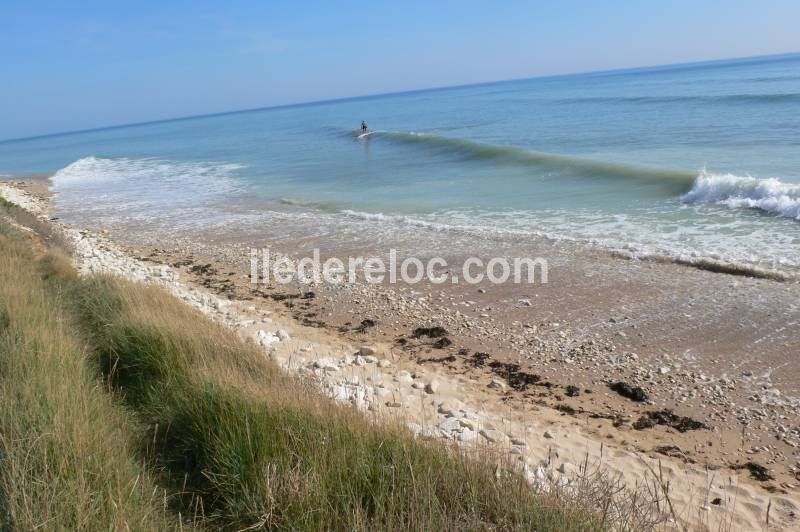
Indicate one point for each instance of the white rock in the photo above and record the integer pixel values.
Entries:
(283, 335)
(326, 364)
(467, 435)
(405, 380)
(266, 339)
(450, 424)
(493, 436)
(432, 386)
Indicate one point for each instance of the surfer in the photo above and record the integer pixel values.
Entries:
(364, 127)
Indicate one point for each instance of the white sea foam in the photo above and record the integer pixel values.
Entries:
(738, 192)
(99, 169)
(189, 196)
(174, 193)
(731, 246)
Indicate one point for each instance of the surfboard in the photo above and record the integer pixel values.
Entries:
(364, 135)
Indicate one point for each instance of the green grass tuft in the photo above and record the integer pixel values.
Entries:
(66, 454)
(251, 447)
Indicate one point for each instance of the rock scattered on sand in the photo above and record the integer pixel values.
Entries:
(432, 386)
(634, 393)
(430, 332)
(497, 385)
(668, 418)
(266, 339)
(757, 471)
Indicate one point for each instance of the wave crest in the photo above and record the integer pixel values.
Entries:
(744, 192)
(676, 180)
(100, 169)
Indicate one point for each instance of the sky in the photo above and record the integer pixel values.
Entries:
(71, 65)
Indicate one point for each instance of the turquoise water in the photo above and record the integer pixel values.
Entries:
(692, 161)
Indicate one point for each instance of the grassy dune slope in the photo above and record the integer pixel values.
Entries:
(66, 460)
(251, 447)
(167, 418)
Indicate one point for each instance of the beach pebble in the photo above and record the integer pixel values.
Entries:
(266, 339)
(548, 435)
(497, 385)
(366, 351)
(283, 335)
(432, 386)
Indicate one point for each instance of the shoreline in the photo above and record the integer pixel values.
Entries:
(535, 419)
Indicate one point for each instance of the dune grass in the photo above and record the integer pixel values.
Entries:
(123, 408)
(66, 460)
(250, 447)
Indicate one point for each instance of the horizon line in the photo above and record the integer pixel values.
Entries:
(621, 70)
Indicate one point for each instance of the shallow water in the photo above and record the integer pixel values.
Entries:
(693, 161)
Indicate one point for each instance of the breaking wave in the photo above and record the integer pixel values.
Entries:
(738, 192)
(100, 169)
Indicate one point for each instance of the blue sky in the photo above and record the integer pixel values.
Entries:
(73, 65)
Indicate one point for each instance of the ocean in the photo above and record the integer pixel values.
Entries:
(691, 162)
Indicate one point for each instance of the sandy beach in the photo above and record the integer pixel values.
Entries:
(657, 372)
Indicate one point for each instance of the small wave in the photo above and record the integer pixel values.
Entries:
(772, 98)
(408, 221)
(679, 180)
(85, 169)
(100, 169)
(738, 192)
(96, 170)
(328, 206)
(295, 202)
